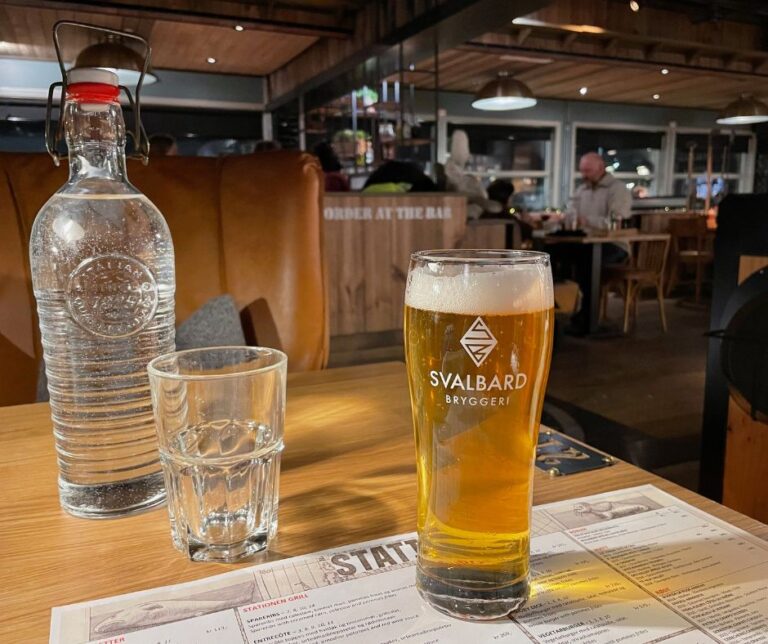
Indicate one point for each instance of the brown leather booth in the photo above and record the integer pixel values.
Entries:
(249, 226)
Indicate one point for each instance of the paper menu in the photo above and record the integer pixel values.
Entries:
(631, 566)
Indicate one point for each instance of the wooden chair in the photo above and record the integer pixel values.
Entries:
(689, 248)
(645, 268)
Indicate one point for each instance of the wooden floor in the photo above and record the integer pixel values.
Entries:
(648, 380)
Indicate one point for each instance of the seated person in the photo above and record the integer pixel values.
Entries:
(335, 179)
(457, 179)
(408, 176)
(265, 145)
(502, 191)
(162, 145)
(599, 201)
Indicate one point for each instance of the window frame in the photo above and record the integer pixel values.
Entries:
(552, 166)
(659, 176)
(746, 173)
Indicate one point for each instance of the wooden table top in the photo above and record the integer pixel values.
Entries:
(604, 238)
(348, 475)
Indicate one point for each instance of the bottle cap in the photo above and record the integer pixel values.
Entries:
(91, 75)
(91, 86)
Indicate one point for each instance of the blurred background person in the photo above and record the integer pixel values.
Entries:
(335, 179)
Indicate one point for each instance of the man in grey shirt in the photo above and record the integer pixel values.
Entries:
(599, 201)
(601, 197)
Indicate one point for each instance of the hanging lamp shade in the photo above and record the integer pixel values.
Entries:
(504, 93)
(113, 54)
(744, 111)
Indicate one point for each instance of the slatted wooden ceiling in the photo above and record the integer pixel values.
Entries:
(466, 71)
(616, 54)
(25, 32)
(552, 61)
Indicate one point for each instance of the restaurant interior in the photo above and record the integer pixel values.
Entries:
(301, 151)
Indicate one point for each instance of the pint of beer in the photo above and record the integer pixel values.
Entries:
(478, 341)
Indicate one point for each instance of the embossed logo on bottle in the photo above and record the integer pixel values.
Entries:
(112, 295)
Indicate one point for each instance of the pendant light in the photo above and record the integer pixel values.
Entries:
(504, 93)
(744, 111)
(113, 54)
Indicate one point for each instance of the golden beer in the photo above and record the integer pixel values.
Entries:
(478, 336)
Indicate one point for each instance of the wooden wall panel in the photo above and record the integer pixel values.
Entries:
(746, 443)
(746, 464)
(480, 235)
(749, 264)
(368, 243)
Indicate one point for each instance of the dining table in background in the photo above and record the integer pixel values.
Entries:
(593, 242)
(349, 475)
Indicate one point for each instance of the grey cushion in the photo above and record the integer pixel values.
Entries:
(215, 324)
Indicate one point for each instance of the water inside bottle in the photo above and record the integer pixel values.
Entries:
(103, 278)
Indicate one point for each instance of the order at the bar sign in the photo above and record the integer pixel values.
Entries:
(385, 213)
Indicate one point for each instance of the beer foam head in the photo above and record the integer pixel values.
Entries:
(488, 290)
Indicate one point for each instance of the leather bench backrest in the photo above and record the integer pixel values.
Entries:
(250, 226)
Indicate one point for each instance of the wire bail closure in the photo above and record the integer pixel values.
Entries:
(138, 134)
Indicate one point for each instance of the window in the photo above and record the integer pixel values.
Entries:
(629, 155)
(195, 132)
(520, 154)
(731, 162)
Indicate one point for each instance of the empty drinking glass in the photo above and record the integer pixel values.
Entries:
(219, 416)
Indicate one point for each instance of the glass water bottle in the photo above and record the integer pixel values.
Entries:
(103, 277)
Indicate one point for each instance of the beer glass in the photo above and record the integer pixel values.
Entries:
(478, 342)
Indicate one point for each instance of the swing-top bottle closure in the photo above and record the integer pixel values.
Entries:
(91, 88)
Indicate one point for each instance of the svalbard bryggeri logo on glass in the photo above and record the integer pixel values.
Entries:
(477, 389)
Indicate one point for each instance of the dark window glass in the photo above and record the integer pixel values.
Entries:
(623, 151)
(720, 187)
(194, 132)
(726, 150)
(506, 148)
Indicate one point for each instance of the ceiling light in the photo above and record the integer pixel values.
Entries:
(533, 60)
(116, 56)
(210, 60)
(503, 93)
(664, 71)
(583, 91)
(744, 111)
(656, 97)
(239, 28)
(634, 5)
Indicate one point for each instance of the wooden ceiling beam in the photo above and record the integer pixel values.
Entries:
(304, 21)
(596, 35)
(523, 35)
(699, 67)
(569, 39)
